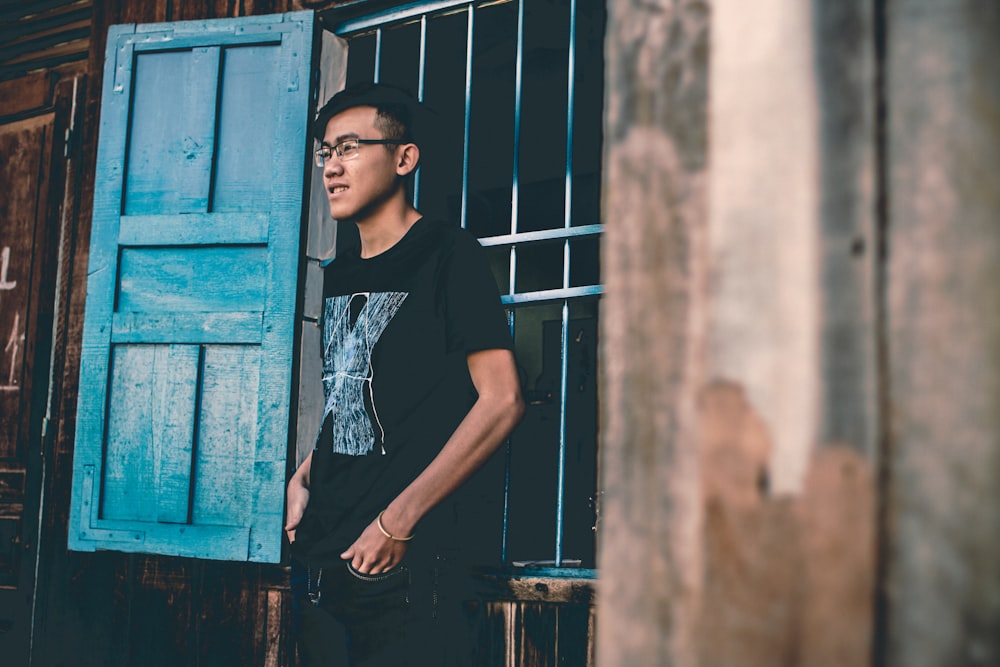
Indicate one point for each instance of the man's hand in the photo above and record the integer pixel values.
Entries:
(297, 497)
(373, 552)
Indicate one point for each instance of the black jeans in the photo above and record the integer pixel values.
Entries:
(414, 615)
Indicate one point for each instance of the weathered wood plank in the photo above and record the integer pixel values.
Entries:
(128, 478)
(199, 279)
(141, 11)
(275, 627)
(175, 372)
(540, 589)
(25, 93)
(172, 131)
(247, 132)
(193, 229)
(100, 261)
(536, 634)
(170, 593)
(278, 343)
(198, 327)
(573, 635)
(653, 257)
(227, 435)
(24, 147)
(150, 430)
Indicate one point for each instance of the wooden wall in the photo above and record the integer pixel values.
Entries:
(102, 608)
(44, 35)
(107, 608)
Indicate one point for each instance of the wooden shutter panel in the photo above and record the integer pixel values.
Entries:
(183, 411)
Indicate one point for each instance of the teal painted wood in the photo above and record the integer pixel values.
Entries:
(183, 414)
(278, 336)
(84, 532)
(129, 478)
(192, 279)
(193, 229)
(238, 327)
(227, 428)
(170, 40)
(172, 131)
(246, 127)
(152, 401)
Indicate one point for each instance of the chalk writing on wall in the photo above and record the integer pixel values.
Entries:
(4, 264)
(15, 341)
(13, 347)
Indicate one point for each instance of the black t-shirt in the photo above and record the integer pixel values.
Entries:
(397, 328)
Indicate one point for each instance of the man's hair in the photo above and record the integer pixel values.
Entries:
(393, 121)
(399, 115)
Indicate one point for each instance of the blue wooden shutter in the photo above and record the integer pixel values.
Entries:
(185, 375)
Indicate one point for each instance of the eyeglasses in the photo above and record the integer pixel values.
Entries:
(347, 149)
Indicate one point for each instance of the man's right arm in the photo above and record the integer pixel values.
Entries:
(297, 497)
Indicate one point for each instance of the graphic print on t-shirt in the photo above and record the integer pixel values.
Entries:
(352, 326)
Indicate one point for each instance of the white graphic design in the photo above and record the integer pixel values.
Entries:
(352, 326)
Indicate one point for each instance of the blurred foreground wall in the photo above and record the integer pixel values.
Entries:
(801, 414)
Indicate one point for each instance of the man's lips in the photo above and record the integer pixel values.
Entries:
(336, 189)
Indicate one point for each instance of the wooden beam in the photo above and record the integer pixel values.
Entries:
(653, 258)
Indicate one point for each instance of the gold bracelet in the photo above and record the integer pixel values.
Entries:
(385, 532)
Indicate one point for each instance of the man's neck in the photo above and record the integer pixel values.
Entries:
(383, 229)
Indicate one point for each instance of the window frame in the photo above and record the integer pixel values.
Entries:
(348, 24)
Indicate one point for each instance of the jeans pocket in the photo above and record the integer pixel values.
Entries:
(390, 575)
(368, 596)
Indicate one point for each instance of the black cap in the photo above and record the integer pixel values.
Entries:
(384, 97)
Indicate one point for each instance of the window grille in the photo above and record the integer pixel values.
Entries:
(518, 87)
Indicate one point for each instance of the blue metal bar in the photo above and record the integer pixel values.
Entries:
(421, 75)
(420, 96)
(555, 572)
(561, 476)
(468, 112)
(378, 55)
(512, 285)
(564, 340)
(518, 83)
(570, 105)
(506, 474)
(512, 279)
(556, 234)
(397, 14)
(515, 183)
(551, 295)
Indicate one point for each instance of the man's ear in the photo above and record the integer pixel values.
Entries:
(407, 158)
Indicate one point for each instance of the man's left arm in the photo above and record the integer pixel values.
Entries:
(495, 413)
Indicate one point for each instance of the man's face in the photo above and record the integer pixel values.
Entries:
(355, 188)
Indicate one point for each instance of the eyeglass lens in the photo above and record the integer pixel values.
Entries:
(345, 150)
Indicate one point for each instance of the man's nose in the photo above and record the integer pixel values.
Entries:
(332, 166)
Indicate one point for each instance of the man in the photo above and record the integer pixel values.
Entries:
(421, 388)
